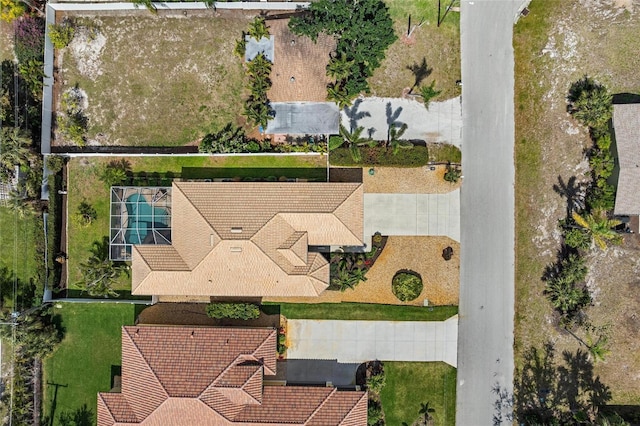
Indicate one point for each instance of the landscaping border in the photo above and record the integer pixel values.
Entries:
(52, 8)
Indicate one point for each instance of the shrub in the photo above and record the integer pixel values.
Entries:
(11, 9)
(29, 38)
(257, 108)
(244, 311)
(72, 122)
(86, 214)
(428, 93)
(375, 383)
(115, 173)
(380, 156)
(61, 35)
(453, 174)
(577, 238)
(590, 102)
(230, 139)
(407, 285)
(55, 163)
(374, 413)
(282, 344)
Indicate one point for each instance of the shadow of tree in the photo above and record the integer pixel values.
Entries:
(548, 392)
(420, 71)
(82, 416)
(354, 115)
(574, 192)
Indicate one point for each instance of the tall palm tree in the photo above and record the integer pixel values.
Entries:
(393, 138)
(599, 226)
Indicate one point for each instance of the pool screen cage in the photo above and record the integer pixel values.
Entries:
(139, 215)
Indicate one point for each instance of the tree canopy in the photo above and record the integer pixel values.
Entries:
(363, 29)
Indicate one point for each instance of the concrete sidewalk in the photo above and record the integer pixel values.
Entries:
(413, 214)
(442, 122)
(361, 341)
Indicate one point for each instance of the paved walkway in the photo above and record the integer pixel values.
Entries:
(485, 348)
(360, 341)
(442, 122)
(413, 214)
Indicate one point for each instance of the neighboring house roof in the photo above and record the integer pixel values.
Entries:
(214, 376)
(304, 118)
(626, 124)
(249, 239)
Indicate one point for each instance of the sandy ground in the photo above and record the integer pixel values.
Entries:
(420, 254)
(442, 122)
(400, 180)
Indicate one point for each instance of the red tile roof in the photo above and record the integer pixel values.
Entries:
(214, 376)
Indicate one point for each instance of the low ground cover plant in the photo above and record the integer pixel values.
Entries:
(380, 156)
(244, 311)
(407, 285)
(61, 34)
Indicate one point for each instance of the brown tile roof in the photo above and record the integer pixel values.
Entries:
(214, 376)
(626, 123)
(303, 60)
(250, 239)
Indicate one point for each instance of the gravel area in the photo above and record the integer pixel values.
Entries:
(416, 180)
(421, 254)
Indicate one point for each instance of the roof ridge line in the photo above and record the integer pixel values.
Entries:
(260, 370)
(147, 364)
(264, 342)
(177, 185)
(364, 395)
(342, 204)
(319, 407)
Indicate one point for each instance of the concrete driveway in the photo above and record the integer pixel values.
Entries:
(413, 214)
(350, 342)
(442, 122)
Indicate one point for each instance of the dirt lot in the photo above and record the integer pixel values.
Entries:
(555, 45)
(414, 180)
(439, 46)
(155, 80)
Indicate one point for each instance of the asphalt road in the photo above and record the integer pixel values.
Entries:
(485, 338)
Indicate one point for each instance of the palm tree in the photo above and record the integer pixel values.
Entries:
(18, 204)
(565, 296)
(14, 150)
(99, 273)
(590, 102)
(339, 67)
(599, 226)
(258, 28)
(354, 141)
(428, 93)
(336, 93)
(427, 410)
(393, 138)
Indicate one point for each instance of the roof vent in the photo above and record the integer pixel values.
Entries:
(236, 230)
(236, 249)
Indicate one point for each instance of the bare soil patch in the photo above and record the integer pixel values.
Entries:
(401, 180)
(155, 80)
(555, 45)
(420, 254)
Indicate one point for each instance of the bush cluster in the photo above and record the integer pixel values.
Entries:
(381, 156)
(29, 50)
(244, 311)
(73, 122)
(230, 139)
(61, 34)
(257, 107)
(363, 30)
(407, 285)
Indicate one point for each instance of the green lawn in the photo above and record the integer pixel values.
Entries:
(439, 46)
(409, 384)
(18, 239)
(84, 185)
(81, 365)
(361, 311)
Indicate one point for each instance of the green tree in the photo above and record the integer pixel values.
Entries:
(577, 238)
(99, 273)
(428, 93)
(36, 336)
(258, 28)
(590, 102)
(115, 173)
(340, 66)
(18, 204)
(426, 410)
(86, 214)
(599, 226)
(15, 146)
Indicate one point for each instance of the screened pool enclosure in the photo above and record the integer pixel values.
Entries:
(139, 215)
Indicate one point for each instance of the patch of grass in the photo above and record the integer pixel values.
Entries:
(440, 47)
(360, 311)
(409, 384)
(161, 91)
(84, 184)
(380, 156)
(83, 362)
(444, 153)
(18, 253)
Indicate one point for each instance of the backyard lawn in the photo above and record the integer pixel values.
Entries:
(361, 311)
(440, 47)
(84, 184)
(82, 364)
(149, 83)
(410, 384)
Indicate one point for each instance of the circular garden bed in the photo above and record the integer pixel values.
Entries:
(407, 285)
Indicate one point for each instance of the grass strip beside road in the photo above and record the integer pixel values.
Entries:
(360, 311)
(410, 384)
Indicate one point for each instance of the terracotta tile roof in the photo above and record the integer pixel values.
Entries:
(250, 239)
(214, 376)
(626, 123)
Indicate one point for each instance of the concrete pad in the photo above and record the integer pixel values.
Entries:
(413, 214)
(442, 122)
(361, 341)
